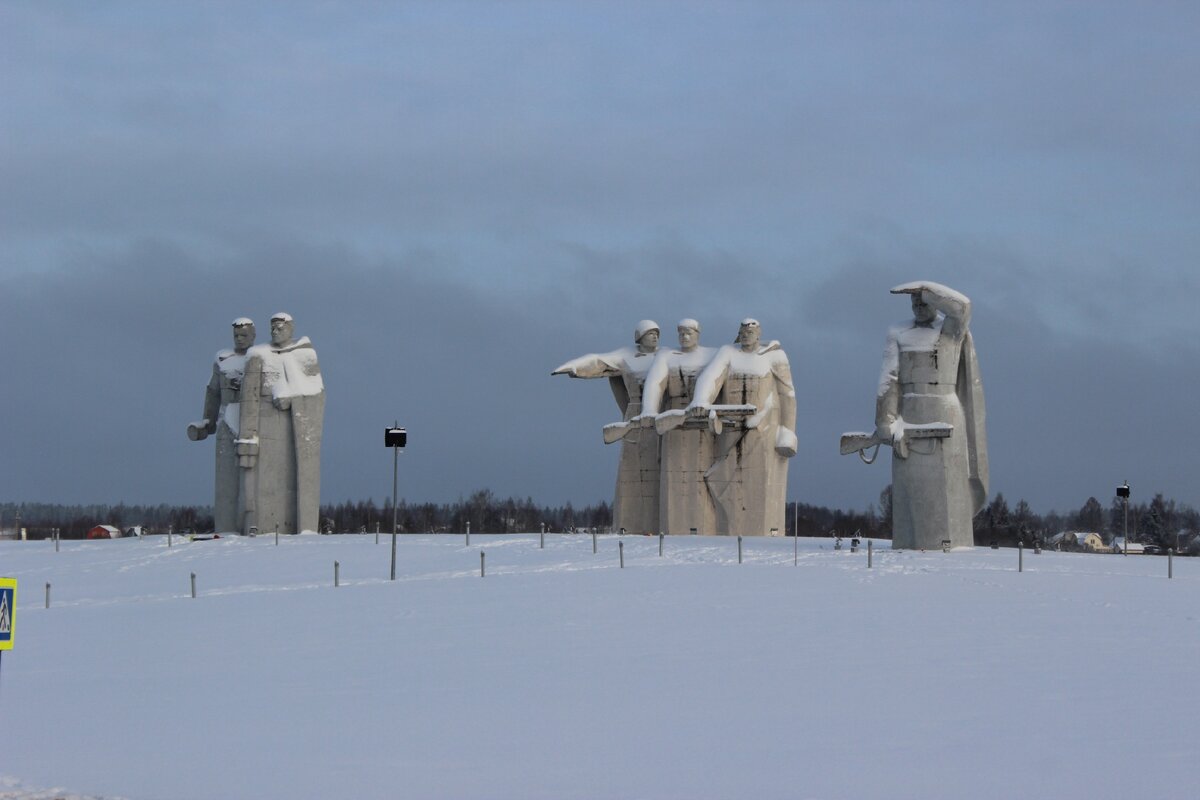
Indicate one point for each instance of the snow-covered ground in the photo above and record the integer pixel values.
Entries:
(560, 675)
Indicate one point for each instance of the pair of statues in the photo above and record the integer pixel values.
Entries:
(265, 405)
(706, 433)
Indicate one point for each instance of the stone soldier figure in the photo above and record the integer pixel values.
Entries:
(930, 384)
(222, 417)
(748, 478)
(635, 502)
(279, 450)
(930, 376)
(686, 450)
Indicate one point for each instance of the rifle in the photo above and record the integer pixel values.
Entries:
(859, 442)
(714, 418)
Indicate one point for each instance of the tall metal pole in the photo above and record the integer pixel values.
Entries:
(395, 496)
(1126, 525)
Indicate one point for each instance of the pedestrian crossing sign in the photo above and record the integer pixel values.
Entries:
(8, 612)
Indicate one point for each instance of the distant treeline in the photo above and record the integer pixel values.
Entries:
(1155, 522)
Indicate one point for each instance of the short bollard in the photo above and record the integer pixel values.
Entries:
(376, 531)
(277, 536)
(739, 548)
(622, 531)
(468, 544)
(1020, 556)
(868, 553)
(593, 540)
(481, 556)
(56, 538)
(542, 539)
(660, 543)
(336, 567)
(47, 595)
(693, 530)
(1170, 564)
(621, 550)
(193, 586)
(170, 532)
(795, 548)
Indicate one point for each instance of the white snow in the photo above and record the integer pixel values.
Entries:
(560, 675)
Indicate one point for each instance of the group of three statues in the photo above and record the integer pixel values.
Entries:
(706, 434)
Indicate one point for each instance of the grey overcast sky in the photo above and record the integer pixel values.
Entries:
(453, 198)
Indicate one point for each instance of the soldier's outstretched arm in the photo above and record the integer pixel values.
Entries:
(593, 365)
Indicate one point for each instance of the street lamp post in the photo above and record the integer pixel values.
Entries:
(396, 438)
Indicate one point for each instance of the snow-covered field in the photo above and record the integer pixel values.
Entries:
(560, 675)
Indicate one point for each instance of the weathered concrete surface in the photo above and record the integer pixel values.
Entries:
(636, 497)
(930, 375)
(279, 450)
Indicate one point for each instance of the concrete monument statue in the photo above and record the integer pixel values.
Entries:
(687, 444)
(279, 449)
(746, 394)
(929, 409)
(635, 502)
(221, 417)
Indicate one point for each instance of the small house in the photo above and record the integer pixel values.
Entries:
(104, 532)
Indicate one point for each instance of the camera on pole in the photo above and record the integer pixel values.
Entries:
(396, 438)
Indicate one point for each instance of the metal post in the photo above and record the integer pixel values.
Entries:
(1126, 526)
(739, 548)
(170, 530)
(1170, 562)
(593, 540)
(795, 547)
(1020, 556)
(336, 582)
(481, 563)
(193, 586)
(621, 550)
(468, 544)
(56, 538)
(47, 595)
(277, 536)
(395, 496)
(660, 543)
(869, 553)
(542, 539)
(376, 531)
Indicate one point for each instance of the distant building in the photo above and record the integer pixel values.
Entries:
(104, 532)
(1118, 546)
(1084, 541)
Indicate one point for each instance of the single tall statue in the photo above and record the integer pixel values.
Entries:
(279, 450)
(687, 448)
(746, 392)
(222, 417)
(929, 410)
(635, 502)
